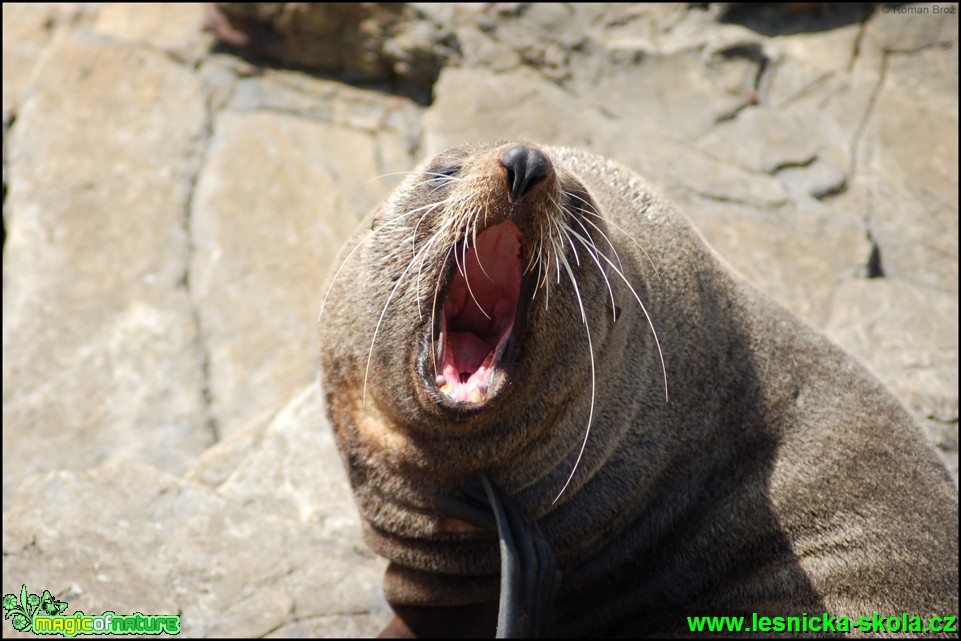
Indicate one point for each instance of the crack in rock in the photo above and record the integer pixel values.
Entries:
(206, 391)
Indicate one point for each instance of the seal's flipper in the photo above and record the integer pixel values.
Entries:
(529, 575)
(474, 511)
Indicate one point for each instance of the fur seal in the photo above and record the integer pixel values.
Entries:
(686, 445)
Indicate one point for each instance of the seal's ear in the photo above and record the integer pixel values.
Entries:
(377, 216)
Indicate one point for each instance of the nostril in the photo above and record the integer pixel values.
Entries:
(525, 166)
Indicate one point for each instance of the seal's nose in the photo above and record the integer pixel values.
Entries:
(525, 166)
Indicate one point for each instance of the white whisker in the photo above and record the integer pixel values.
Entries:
(337, 273)
(393, 291)
(433, 310)
(595, 226)
(592, 251)
(628, 234)
(650, 323)
(590, 349)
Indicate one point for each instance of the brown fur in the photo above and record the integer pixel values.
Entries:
(780, 477)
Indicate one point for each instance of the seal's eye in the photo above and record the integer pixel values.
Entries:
(440, 177)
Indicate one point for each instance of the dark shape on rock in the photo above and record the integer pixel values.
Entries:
(781, 19)
(874, 269)
(360, 43)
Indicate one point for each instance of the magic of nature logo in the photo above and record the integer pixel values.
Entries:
(44, 614)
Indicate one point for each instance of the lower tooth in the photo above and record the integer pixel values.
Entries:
(476, 396)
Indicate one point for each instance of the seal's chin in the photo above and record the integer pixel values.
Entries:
(478, 314)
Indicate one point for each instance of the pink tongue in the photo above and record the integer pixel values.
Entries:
(470, 350)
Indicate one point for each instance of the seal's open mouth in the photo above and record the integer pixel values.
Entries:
(479, 313)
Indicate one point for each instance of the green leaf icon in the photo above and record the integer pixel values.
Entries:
(50, 605)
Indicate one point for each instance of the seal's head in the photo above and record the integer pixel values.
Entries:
(474, 323)
(471, 239)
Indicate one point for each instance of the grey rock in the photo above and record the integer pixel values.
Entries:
(129, 538)
(907, 334)
(762, 140)
(28, 29)
(807, 68)
(101, 358)
(641, 88)
(796, 255)
(172, 27)
(471, 103)
(912, 190)
(272, 207)
(913, 27)
(300, 95)
(286, 465)
(688, 173)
